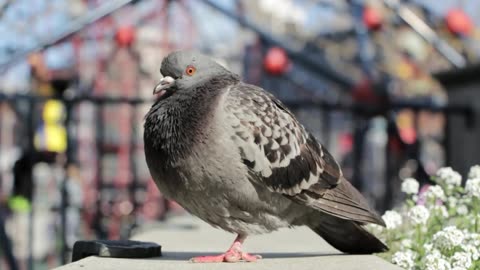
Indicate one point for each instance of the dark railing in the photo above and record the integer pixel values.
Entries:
(361, 112)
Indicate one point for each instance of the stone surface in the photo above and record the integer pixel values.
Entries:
(184, 237)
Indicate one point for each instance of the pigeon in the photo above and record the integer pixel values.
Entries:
(233, 155)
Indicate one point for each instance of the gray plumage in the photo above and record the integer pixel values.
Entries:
(233, 155)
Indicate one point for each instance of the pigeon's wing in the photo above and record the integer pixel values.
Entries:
(282, 155)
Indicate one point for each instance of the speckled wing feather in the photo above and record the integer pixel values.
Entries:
(282, 155)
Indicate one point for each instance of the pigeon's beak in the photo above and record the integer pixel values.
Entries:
(165, 83)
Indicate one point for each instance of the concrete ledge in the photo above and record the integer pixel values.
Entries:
(186, 237)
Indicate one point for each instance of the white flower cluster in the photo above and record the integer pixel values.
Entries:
(392, 219)
(448, 238)
(472, 187)
(452, 202)
(474, 172)
(472, 245)
(435, 193)
(435, 261)
(423, 225)
(472, 251)
(418, 214)
(461, 260)
(447, 177)
(462, 209)
(410, 186)
(474, 239)
(404, 259)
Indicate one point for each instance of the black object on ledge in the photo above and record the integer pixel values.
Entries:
(115, 249)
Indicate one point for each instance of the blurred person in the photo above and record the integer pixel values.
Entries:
(23, 183)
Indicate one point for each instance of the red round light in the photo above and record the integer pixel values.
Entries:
(372, 18)
(125, 36)
(276, 61)
(458, 22)
(363, 92)
(408, 135)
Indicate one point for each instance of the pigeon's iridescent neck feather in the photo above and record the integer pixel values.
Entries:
(175, 124)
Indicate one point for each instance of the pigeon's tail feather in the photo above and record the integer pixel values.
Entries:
(346, 202)
(348, 236)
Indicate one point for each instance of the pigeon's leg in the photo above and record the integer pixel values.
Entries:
(233, 254)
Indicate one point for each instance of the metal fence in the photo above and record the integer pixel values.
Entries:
(116, 206)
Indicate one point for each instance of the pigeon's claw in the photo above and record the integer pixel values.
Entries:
(236, 254)
(233, 254)
(247, 257)
(208, 259)
(229, 256)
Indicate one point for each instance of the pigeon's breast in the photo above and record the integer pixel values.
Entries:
(213, 184)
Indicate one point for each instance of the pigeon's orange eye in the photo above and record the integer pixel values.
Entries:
(190, 70)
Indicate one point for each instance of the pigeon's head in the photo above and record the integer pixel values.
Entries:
(186, 70)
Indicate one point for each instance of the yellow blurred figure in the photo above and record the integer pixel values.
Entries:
(52, 135)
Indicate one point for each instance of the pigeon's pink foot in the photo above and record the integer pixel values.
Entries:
(233, 254)
(227, 257)
(208, 259)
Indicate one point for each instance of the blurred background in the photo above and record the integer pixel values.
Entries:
(389, 86)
